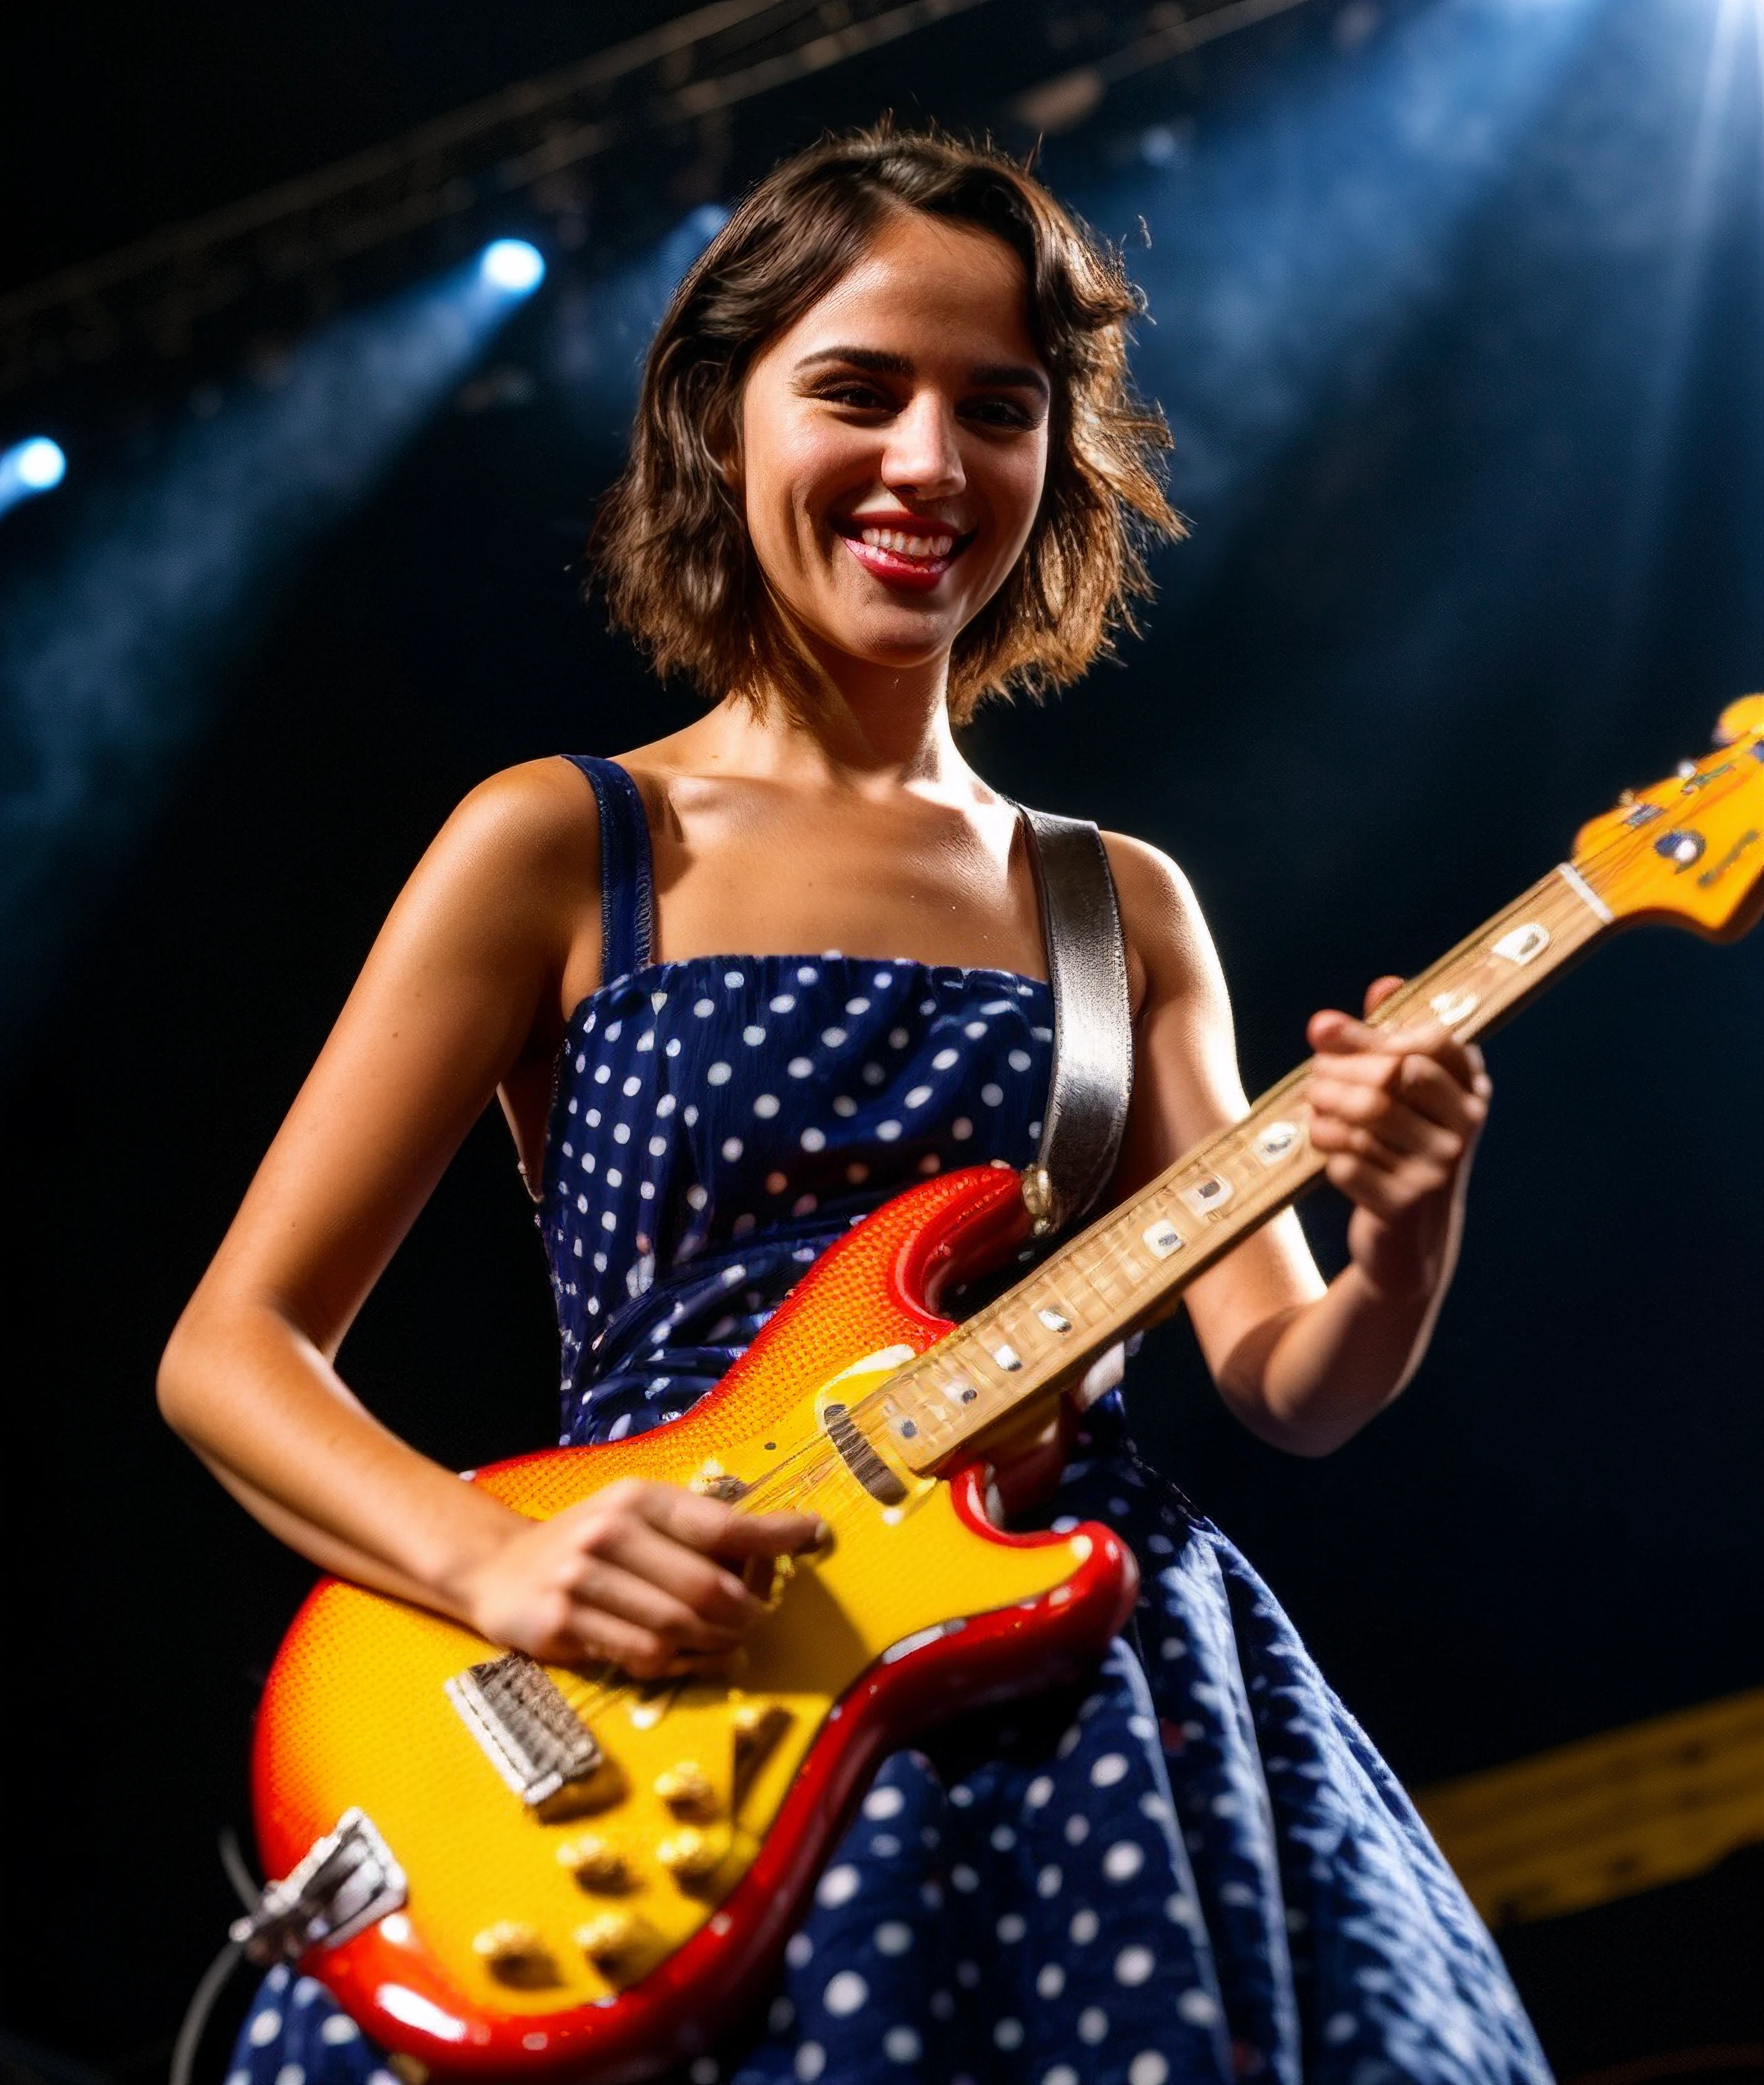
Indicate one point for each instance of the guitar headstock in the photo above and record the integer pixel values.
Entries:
(1689, 849)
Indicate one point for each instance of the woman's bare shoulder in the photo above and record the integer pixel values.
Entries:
(1161, 917)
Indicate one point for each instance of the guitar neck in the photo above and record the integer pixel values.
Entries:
(1128, 1269)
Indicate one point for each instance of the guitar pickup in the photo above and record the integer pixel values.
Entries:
(535, 1740)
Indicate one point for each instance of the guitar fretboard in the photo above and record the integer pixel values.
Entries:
(1128, 1269)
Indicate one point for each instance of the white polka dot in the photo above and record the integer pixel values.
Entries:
(697, 1196)
(705, 2071)
(901, 2044)
(874, 1075)
(943, 2004)
(813, 1139)
(781, 2016)
(885, 1845)
(898, 1038)
(1338, 2029)
(765, 1107)
(658, 1147)
(689, 1114)
(893, 1937)
(806, 974)
(1148, 2068)
(1050, 1982)
(859, 1005)
(602, 1074)
(1197, 2008)
(1038, 1792)
(1048, 1882)
(991, 1094)
(845, 1993)
(732, 1147)
(339, 2027)
(1108, 1770)
(844, 1106)
(291, 2073)
(917, 1096)
(887, 1131)
(944, 1059)
(753, 1035)
(609, 1221)
(306, 1990)
(732, 979)
(1062, 2073)
(839, 1885)
(1132, 1965)
(622, 1132)
(968, 1975)
(975, 1030)
(1012, 1927)
(1019, 1061)
(961, 1129)
(1077, 1829)
(882, 1803)
(1092, 2024)
(800, 1068)
(783, 1003)
(777, 1182)
(1123, 1861)
(800, 1951)
(704, 1008)
(833, 1037)
(717, 1075)
(963, 1878)
(265, 2027)
(1084, 1927)
(1008, 2033)
(811, 2061)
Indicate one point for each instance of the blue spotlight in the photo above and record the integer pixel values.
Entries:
(29, 467)
(513, 265)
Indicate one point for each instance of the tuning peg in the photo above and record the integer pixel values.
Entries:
(516, 1953)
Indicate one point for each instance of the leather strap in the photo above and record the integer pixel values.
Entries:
(1092, 1080)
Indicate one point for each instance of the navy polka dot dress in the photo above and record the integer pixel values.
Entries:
(1195, 1868)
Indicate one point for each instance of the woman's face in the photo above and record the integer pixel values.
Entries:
(894, 444)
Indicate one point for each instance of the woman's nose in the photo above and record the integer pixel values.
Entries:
(923, 455)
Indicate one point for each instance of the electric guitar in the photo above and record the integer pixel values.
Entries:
(499, 1867)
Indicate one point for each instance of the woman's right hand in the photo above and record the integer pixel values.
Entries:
(640, 1574)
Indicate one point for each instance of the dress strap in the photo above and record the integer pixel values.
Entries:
(627, 868)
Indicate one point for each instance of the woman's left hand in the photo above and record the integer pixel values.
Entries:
(1397, 1112)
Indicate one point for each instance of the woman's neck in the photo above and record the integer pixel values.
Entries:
(868, 730)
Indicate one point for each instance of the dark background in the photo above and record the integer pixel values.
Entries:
(1455, 310)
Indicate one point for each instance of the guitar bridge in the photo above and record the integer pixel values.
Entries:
(532, 1736)
(347, 1881)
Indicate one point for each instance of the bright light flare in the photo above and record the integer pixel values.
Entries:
(30, 467)
(513, 265)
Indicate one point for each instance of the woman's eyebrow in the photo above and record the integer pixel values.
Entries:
(879, 362)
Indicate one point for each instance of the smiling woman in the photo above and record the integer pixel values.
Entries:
(1013, 412)
(887, 465)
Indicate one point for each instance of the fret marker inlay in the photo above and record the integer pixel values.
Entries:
(1211, 1193)
(1163, 1238)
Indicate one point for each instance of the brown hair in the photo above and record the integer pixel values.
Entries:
(670, 544)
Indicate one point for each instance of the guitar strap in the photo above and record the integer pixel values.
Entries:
(1091, 1080)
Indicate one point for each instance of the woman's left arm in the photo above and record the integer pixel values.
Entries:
(1397, 1113)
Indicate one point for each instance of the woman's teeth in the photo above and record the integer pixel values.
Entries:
(904, 546)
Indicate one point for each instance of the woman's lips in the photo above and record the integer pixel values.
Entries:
(914, 558)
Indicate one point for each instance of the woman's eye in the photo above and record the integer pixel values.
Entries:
(861, 398)
(998, 413)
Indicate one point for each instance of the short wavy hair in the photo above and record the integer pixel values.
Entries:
(670, 547)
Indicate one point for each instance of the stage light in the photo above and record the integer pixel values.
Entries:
(513, 265)
(30, 467)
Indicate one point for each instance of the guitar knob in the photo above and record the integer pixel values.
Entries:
(514, 1953)
(690, 1857)
(595, 1862)
(608, 1939)
(686, 1787)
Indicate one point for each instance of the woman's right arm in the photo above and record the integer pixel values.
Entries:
(469, 974)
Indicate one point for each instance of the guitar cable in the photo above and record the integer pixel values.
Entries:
(219, 1973)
